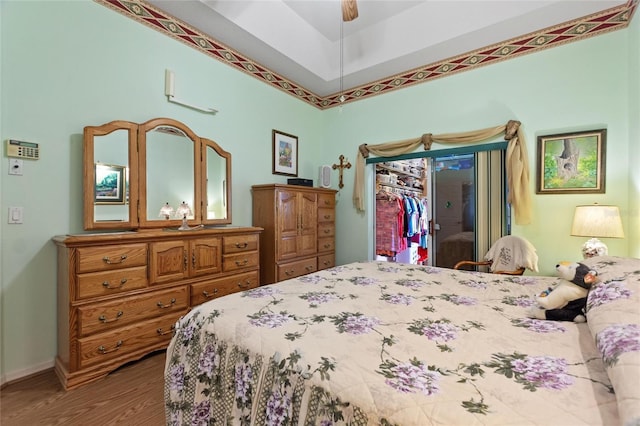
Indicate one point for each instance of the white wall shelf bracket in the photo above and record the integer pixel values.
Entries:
(169, 90)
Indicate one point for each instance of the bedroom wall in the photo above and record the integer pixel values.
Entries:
(634, 137)
(61, 70)
(567, 88)
(69, 64)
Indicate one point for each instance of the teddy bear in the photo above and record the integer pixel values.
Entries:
(567, 300)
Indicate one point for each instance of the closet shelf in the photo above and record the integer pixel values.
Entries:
(404, 188)
(398, 171)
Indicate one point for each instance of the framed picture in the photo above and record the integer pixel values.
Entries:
(572, 163)
(110, 184)
(285, 154)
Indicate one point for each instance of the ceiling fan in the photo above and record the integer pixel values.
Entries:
(349, 10)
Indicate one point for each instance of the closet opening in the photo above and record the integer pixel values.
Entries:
(442, 206)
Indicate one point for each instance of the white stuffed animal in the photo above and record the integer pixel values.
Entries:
(567, 301)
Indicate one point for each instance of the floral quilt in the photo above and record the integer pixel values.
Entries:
(375, 343)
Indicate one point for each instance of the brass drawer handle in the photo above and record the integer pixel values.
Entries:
(247, 284)
(104, 319)
(163, 306)
(163, 333)
(108, 286)
(186, 261)
(326, 263)
(289, 272)
(327, 216)
(242, 245)
(327, 246)
(193, 260)
(208, 295)
(327, 202)
(104, 350)
(242, 263)
(308, 267)
(108, 261)
(326, 231)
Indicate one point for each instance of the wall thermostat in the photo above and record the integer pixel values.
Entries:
(21, 149)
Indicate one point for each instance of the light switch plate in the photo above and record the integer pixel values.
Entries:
(16, 215)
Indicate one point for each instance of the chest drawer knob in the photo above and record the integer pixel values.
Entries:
(104, 319)
(108, 260)
(242, 262)
(104, 350)
(108, 285)
(162, 332)
(241, 245)
(208, 295)
(246, 284)
(163, 306)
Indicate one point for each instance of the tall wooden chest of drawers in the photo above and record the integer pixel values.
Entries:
(120, 294)
(299, 229)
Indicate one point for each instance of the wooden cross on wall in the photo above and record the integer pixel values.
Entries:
(341, 166)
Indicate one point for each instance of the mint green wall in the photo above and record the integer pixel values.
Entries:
(68, 64)
(577, 86)
(633, 231)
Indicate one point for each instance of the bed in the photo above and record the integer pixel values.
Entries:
(376, 343)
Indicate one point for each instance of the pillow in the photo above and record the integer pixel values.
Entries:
(613, 316)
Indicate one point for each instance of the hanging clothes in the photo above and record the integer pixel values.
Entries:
(390, 224)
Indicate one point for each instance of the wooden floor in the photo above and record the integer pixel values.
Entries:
(131, 395)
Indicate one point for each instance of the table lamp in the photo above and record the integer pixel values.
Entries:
(182, 212)
(595, 221)
(166, 211)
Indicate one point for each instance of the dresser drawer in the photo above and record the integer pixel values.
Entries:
(234, 262)
(326, 244)
(297, 268)
(326, 230)
(101, 317)
(111, 282)
(92, 259)
(326, 261)
(208, 290)
(326, 200)
(105, 347)
(326, 215)
(240, 243)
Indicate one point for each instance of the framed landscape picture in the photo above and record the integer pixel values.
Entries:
(571, 163)
(285, 154)
(110, 184)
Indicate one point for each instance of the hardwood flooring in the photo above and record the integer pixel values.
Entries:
(131, 395)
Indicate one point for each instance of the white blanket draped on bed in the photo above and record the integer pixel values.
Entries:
(380, 343)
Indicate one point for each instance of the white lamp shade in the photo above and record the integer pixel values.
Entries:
(184, 210)
(166, 211)
(597, 221)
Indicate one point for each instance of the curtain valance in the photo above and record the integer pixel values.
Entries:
(517, 162)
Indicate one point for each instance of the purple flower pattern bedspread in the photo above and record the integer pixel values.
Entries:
(376, 343)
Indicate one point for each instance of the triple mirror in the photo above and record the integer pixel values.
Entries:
(139, 175)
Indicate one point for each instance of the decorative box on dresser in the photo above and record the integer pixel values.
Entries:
(120, 294)
(299, 230)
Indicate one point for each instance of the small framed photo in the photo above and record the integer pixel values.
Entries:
(572, 163)
(110, 184)
(285, 154)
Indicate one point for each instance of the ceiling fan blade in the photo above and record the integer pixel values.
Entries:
(349, 10)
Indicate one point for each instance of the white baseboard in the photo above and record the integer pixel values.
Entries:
(15, 375)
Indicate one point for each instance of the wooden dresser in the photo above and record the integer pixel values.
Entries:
(120, 294)
(299, 230)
